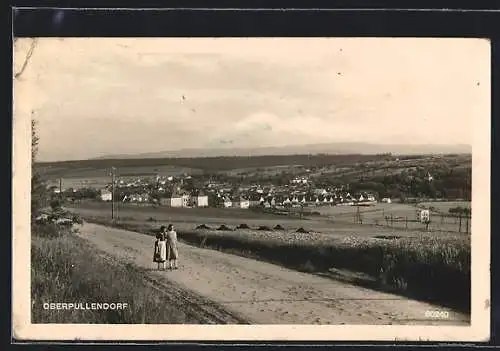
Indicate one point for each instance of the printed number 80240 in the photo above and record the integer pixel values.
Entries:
(437, 314)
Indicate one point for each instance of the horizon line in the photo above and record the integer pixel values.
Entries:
(131, 157)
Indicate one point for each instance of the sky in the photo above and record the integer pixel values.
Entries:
(100, 96)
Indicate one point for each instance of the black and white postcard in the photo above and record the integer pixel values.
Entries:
(251, 189)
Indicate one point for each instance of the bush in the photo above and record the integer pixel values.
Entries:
(56, 205)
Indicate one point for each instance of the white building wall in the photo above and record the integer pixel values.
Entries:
(202, 201)
(106, 196)
(176, 202)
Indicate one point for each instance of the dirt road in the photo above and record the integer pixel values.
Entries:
(264, 293)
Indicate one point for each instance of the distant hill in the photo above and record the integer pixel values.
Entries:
(325, 148)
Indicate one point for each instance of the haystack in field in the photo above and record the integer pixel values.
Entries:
(202, 226)
(263, 227)
(223, 227)
(387, 237)
(278, 227)
(302, 230)
(243, 226)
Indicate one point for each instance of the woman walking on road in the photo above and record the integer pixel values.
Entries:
(172, 252)
(160, 250)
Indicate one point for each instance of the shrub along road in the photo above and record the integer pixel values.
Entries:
(264, 293)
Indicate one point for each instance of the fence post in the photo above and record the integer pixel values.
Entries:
(459, 222)
(392, 220)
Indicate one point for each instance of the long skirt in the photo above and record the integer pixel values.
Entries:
(160, 253)
(173, 253)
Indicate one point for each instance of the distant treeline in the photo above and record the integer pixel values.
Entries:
(218, 163)
(447, 183)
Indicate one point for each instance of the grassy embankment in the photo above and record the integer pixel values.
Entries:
(66, 268)
(426, 267)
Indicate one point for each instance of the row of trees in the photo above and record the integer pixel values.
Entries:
(81, 194)
(38, 189)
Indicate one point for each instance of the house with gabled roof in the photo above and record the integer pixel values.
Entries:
(199, 199)
(172, 200)
(254, 199)
(106, 195)
(278, 200)
(287, 201)
(228, 203)
(240, 202)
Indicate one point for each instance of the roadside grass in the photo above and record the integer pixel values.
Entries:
(425, 267)
(430, 268)
(68, 269)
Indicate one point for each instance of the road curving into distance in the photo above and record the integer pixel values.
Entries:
(251, 291)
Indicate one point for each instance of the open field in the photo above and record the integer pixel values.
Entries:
(101, 170)
(190, 218)
(266, 171)
(444, 206)
(266, 293)
(77, 183)
(403, 216)
(262, 166)
(410, 261)
(333, 220)
(68, 269)
(97, 167)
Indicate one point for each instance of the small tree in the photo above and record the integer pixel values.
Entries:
(56, 205)
(38, 193)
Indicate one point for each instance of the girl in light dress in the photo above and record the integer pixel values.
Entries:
(160, 249)
(172, 251)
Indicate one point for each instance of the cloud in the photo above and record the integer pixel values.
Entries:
(124, 95)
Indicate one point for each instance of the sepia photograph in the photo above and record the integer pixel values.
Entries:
(251, 189)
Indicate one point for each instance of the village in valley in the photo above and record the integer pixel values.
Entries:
(300, 192)
(361, 180)
(185, 191)
(242, 182)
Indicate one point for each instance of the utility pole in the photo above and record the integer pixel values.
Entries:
(460, 222)
(113, 193)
